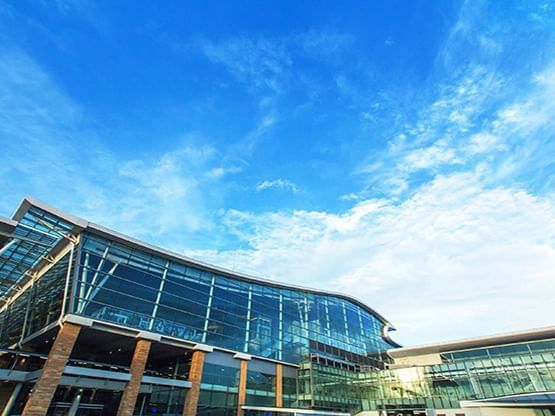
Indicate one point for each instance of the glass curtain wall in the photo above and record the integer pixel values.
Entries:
(134, 288)
(161, 400)
(289, 385)
(465, 375)
(261, 389)
(33, 238)
(261, 383)
(219, 390)
(472, 374)
(37, 307)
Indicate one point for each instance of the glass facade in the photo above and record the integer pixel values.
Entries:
(34, 236)
(463, 375)
(162, 400)
(219, 390)
(133, 288)
(35, 308)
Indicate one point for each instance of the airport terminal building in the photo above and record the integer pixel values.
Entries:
(93, 322)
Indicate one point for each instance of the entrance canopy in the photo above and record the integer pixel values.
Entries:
(542, 399)
(282, 410)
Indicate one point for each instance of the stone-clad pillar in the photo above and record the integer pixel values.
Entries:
(45, 387)
(279, 385)
(242, 396)
(195, 377)
(242, 388)
(137, 368)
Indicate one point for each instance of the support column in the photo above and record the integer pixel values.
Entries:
(75, 404)
(11, 401)
(45, 387)
(195, 377)
(137, 368)
(279, 385)
(242, 394)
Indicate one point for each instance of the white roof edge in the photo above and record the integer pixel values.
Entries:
(82, 223)
(477, 342)
(28, 201)
(8, 221)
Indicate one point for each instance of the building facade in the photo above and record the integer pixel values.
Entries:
(93, 322)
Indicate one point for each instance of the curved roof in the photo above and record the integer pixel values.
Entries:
(82, 224)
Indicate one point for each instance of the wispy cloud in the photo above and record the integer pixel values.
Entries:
(282, 184)
(263, 126)
(50, 152)
(465, 223)
(267, 64)
(452, 208)
(262, 63)
(480, 117)
(324, 45)
(352, 196)
(221, 171)
(457, 247)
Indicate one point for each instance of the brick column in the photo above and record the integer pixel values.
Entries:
(138, 364)
(242, 395)
(195, 377)
(279, 385)
(45, 387)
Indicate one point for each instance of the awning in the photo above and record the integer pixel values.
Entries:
(542, 399)
(289, 410)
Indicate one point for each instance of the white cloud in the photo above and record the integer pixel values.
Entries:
(322, 44)
(251, 140)
(49, 152)
(282, 184)
(268, 63)
(437, 154)
(350, 197)
(456, 259)
(480, 122)
(484, 110)
(439, 138)
(485, 142)
(220, 171)
(264, 63)
(536, 108)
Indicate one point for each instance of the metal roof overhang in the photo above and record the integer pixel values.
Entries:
(479, 342)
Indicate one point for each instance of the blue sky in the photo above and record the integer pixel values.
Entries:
(399, 151)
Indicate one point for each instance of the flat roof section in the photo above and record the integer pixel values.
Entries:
(478, 342)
